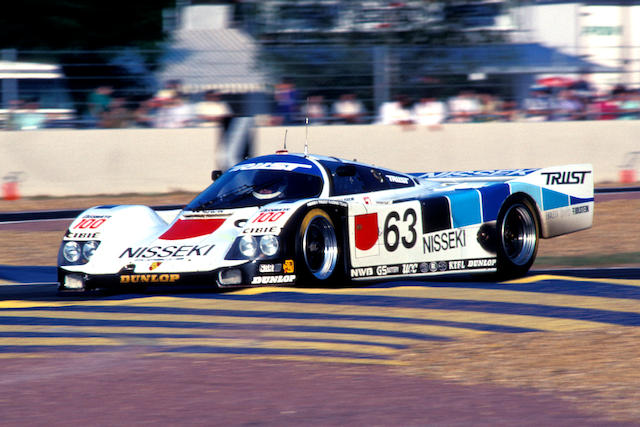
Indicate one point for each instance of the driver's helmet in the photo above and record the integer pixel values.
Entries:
(269, 191)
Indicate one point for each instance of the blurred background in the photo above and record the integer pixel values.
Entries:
(178, 63)
(482, 84)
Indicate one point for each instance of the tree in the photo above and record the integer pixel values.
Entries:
(88, 38)
(81, 24)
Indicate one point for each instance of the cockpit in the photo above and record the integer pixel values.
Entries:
(256, 184)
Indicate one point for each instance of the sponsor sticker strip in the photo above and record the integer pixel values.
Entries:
(423, 268)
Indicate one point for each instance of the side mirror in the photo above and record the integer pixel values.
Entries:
(215, 174)
(346, 170)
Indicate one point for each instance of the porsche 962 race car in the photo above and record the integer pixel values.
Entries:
(295, 219)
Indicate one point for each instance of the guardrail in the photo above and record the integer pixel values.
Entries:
(9, 217)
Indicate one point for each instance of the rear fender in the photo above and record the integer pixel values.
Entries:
(563, 196)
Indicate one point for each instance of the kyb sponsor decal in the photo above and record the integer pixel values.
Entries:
(149, 278)
(273, 280)
(565, 178)
(444, 241)
(270, 268)
(183, 251)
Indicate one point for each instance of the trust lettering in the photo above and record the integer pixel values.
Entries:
(562, 178)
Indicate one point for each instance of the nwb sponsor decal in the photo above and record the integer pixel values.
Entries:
(362, 272)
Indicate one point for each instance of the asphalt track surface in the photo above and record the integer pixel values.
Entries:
(283, 356)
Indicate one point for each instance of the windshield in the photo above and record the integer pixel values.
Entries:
(257, 187)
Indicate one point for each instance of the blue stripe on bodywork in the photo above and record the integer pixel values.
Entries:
(553, 200)
(465, 207)
(492, 198)
(532, 190)
(578, 200)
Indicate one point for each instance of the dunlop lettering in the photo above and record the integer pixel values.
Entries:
(149, 278)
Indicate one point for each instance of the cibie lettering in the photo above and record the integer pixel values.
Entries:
(149, 278)
(444, 241)
(563, 178)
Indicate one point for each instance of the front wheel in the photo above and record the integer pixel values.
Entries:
(518, 231)
(318, 247)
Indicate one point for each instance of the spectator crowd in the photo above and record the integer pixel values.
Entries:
(562, 100)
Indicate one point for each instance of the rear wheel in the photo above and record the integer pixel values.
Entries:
(518, 231)
(318, 247)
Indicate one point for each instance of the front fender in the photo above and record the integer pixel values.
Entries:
(111, 225)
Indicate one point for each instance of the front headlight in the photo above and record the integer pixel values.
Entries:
(269, 245)
(248, 246)
(71, 252)
(89, 248)
(78, 252)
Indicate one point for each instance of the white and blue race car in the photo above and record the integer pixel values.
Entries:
(296, 219)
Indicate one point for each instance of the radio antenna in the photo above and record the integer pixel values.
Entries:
(284, 150)
(306, 137)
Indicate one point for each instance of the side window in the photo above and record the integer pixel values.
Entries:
(372, 179)
(349, 178)
(347, 183)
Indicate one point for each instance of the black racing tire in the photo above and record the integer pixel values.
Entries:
(518, 231)
(318, 248)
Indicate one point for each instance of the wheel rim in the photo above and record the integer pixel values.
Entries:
(518, 234)
(320, 247)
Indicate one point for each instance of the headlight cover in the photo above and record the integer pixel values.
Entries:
(254, 247)
(89, 248)
(248, 246)
(269, 245)
(74, 252)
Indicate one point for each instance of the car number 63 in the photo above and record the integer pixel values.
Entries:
(393, 235)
